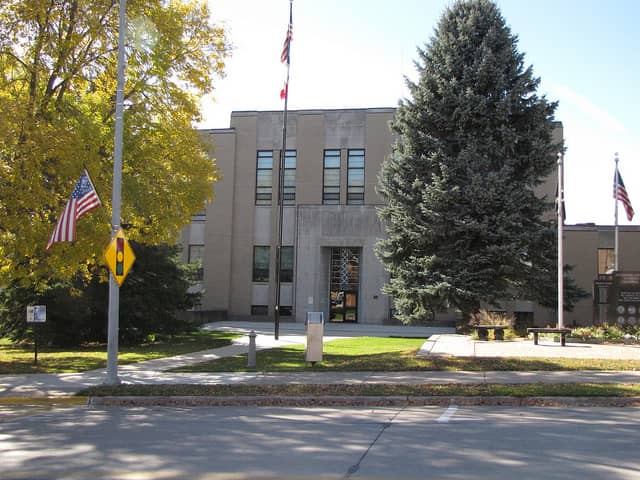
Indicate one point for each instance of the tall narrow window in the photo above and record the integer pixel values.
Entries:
(260, 264)
(196, 254)
(286, 264)
(264, 177)
(289, 183)
(355, 177)
(331, 178)
(606, 260)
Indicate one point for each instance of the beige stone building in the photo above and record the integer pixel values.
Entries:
(330, 225)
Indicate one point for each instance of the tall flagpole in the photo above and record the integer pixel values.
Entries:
(114, 291)
(276, 314)
(560, 203)
(616, 182)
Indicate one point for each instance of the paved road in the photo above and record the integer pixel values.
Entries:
(286, 443)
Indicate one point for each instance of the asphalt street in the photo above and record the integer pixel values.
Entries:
(452, 442)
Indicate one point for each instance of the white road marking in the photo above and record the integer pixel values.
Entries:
(446, 416)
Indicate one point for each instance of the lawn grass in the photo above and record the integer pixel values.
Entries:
(299, 390)
(394, 354)
(18, 359)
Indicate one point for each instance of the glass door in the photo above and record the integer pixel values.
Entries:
(344, 284)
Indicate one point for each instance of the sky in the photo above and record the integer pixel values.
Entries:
(357, 53)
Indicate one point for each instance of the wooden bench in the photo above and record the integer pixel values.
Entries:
(563, 332)
(483, 331)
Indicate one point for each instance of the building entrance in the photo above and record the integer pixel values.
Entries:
(344, 284)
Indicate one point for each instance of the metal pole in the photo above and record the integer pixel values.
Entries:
(560, 244)
(276, 312)
(114, 292)
(616, 182)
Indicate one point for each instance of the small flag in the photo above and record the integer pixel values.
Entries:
(620, 193)
(83, 199)
(285, 56)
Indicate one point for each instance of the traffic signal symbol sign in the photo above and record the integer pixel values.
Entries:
(119, 257)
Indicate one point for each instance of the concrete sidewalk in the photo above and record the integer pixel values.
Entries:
(154, 371)
(465, 346)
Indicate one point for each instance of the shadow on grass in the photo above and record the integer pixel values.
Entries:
(19, 359)
(291, 358)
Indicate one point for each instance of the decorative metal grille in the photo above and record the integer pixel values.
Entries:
(345, 269)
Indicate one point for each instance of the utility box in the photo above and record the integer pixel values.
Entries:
(315, 332)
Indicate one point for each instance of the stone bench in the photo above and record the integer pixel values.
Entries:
(563, 332)
(483, 331)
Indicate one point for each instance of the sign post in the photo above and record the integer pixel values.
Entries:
(36, 314)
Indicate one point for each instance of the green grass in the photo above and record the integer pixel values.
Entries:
(18, 359)
(509, 390)
(394, 354)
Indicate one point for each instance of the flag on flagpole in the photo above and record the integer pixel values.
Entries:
(620, 193)
(285, 56)
(84, 198)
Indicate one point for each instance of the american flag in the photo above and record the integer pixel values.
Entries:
(620, 193)
(285, 56)
(83, 199)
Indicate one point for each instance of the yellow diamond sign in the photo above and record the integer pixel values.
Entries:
(119, 257)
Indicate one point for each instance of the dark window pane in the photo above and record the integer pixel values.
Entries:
(260, 264)
(259, 310)
(286, 264)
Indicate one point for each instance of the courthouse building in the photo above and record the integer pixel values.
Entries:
(330, 225)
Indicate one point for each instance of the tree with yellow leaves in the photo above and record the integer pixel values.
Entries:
(58, 62)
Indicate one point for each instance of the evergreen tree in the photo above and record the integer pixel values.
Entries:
(464, 222)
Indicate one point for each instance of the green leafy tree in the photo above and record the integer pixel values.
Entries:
(156, 289)
(58, 64)
(464, 222)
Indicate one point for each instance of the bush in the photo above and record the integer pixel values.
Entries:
(154, 291)
(607, 332)
(486, 317)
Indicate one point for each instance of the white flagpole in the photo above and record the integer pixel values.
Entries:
(560, 244)
(616, 182)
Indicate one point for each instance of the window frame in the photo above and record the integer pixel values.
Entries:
(256, 277)
(289, 184)
(331, 197)
(264, 197)
(289, 271)
(199, 272)
(355, 193)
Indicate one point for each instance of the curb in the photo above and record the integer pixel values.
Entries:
(362, 401)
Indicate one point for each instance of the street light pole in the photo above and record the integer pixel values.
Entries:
(560, 201)
(114, 291)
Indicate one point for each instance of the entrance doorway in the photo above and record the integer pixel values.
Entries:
(344, 284)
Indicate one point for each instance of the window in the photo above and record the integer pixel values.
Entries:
(289, 182)
(264, 177)
(285, 311)
(286, 264)
(259, 310)
(199, 216)
(260, 264)
(331, 178)
(355, 177)
(606, 260)
(196, 253)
